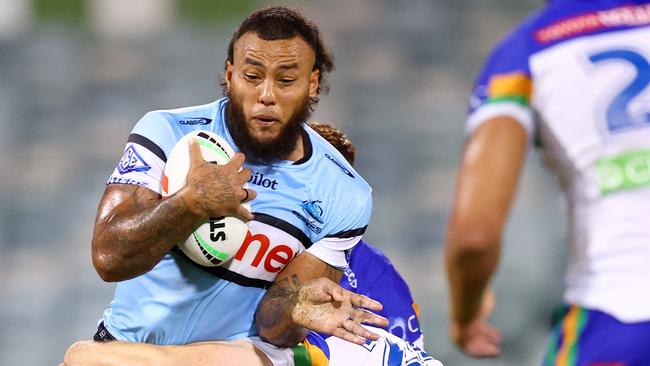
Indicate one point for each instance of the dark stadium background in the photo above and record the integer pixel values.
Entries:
(75, 75)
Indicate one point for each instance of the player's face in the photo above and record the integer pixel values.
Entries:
(269, 84)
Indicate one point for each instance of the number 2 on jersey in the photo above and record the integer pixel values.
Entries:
(618, 117)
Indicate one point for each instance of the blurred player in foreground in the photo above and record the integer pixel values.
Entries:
(573, 79)
(370, 273)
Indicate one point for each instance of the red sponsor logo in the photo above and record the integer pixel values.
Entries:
(273, 256)
(569, 27)
(594, 21)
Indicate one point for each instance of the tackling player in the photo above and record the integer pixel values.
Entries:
(275, 68)
(573, 79)
(371, 273)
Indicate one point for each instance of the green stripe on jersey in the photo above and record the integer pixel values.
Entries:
(300, 355)
(519, 99)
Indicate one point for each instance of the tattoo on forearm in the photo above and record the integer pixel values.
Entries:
(146, 228)
(284, 323)
(280, 297)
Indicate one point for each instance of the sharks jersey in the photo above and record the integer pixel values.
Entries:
(318, 204)
(576, 75)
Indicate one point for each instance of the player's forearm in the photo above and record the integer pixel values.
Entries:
(470, 266)
(487, 181)
(297, 303)
(273, 316)
(88, 353)
(131, 242)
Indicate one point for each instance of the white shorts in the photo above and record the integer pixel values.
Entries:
(316, 351)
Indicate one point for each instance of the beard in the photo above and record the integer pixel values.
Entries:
(269, 150)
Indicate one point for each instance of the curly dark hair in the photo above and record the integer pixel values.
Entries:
(278, 22)
(336, 138)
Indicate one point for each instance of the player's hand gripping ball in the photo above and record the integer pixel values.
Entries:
(218, 240)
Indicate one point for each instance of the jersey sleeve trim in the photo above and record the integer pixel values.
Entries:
(515, 87)
(523, 115)
(138, 166)
(150, 145)
(332, 250)
(348, 233)
(284, 226)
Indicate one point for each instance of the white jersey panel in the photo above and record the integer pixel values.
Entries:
(388, 350)
(332, 250)
(265, 252)
(592, 97)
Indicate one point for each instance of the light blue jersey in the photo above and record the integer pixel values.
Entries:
(318, 204)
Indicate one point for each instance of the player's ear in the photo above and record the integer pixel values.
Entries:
(228, 75)
(313, 83)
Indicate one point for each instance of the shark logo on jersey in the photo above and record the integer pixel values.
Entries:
(132, 162)
(313, 210)
(312, 215)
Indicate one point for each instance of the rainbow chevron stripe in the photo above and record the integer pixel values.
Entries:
(565, 342)
(308, 354)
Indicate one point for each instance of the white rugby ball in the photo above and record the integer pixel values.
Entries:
(218, 240)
